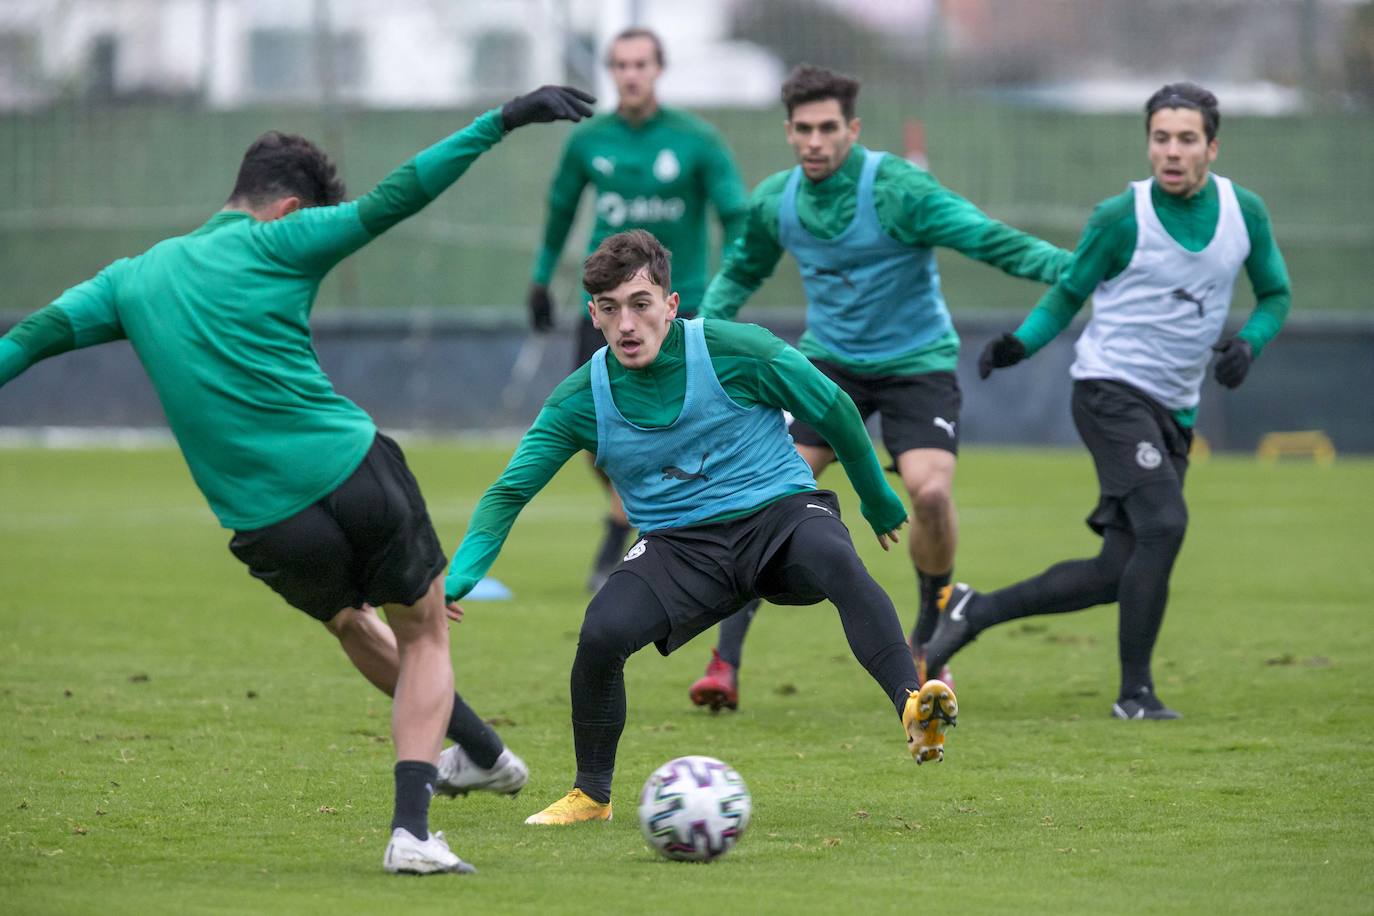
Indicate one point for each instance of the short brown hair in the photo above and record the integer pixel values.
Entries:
(638, 32)
(623, 255)
(808, 83)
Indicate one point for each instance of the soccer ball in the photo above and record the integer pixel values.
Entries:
(694, 809)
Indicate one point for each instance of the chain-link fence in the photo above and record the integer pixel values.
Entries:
(122, 121)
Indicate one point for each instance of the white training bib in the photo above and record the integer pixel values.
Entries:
(1154, 324)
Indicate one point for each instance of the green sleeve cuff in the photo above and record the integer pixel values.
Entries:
(1048, 319)
(474, 557)
(1266, 321)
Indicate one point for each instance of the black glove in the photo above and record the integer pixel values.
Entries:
(1001, 352)
(541, 309)
(1233, 361)
(547, 103)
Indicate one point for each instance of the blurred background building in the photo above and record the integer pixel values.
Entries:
(123, 121)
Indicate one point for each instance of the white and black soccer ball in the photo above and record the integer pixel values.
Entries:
(694, 809)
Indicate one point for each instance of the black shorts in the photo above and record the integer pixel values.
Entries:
(589, 339)
(1133, 440)
(370, 541)
(917, 411)
(705, 573)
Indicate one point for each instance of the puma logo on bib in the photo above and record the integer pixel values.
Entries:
(673, 472)
(1147, 456)
(637, 550)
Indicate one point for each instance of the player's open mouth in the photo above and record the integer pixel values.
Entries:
(629, 346)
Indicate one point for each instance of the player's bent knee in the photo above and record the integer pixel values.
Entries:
(1158, 515)
(598, 644)
(931, 500)
(1108, 569)
(424, 620)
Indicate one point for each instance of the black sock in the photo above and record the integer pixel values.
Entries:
(730, 643)
(1069, 586)
(613, 544)
(477, 738)
(414, 788)
(929, 615)
(596, 786)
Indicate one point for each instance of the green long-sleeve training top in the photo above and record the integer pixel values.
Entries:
(220, 320)
(658, 175)
(913, 208)
(1108, 243)
(753, 366)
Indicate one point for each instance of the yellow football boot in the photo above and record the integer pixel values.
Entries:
(572, 808)
(928, 713)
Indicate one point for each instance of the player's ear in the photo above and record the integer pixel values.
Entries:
(283, 206)
(672, 300)
(1212, 150)
(854, 126)
(591, 310)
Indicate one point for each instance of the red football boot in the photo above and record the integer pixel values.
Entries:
(718, 688)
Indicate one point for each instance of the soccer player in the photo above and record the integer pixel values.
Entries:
(653, 168)
(686, 419)
(862, 226)
(1159, 261)
(322, 505)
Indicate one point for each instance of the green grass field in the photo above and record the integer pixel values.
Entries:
(177, 740)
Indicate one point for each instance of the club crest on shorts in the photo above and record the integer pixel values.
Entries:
(1147, 456)
(637, 550)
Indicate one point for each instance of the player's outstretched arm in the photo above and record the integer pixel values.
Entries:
(83, 316)
(726, 191)
(317, 238)
(751, 258)
(1103, 251)
(916, 209)
(784, 378)
(564, 193)
(1051, 315)
(556, 435)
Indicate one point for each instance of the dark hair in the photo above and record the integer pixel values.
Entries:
(638, 32)
(1186, 95)
(286, 165)
(619, 257)
(807, 83)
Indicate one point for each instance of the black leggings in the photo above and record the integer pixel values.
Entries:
(817, 562)
(1133, 569)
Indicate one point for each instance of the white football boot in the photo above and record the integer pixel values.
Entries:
(406, 855)
(458, 775)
